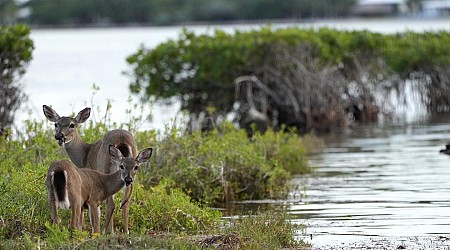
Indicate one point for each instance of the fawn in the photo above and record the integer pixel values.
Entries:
(72, 187)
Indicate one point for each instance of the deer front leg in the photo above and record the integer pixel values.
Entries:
(110, 207)
(125, 209)
(81, 221)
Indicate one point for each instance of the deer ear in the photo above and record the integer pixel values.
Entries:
(115, 153)
(50, 113)
(83, 115)
(144, 155)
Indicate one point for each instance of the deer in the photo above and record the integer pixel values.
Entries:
(72, 187)
(94, 156)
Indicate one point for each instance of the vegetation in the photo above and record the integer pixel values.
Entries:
(24, 197)
(16, 49)
(222, 166)
(270, 230)
(310, 79)
(162, 212)
(157, 12)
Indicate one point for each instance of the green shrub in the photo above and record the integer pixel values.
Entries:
(286, 148)
(265, 230)
(165, 209)
(218, 166)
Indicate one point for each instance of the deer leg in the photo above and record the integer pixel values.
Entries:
(81, 222)
(110, 206)
(125, 209)
(94, 217)
(76, 211)
(53, 208)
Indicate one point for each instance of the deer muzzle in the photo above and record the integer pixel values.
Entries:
(60, 138)
(128, 181)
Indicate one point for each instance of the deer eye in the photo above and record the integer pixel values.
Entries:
(122, 167)
(72, 125)
(136, 168)
(56, 125)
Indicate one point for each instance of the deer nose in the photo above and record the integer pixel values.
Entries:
(128, 180)
(59, 136)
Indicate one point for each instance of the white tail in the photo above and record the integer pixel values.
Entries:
(95, 156)
(69, 186)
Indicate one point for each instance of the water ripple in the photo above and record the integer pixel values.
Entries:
(383, 182)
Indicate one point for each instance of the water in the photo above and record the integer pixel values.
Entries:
(372, 185)
(378, 183)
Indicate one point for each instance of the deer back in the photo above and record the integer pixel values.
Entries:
(96, 185)
(122, 140)
(84, 155)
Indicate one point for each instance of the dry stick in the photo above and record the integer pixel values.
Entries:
(239, 80)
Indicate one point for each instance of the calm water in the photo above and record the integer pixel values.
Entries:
(370, 184)
(378, 183)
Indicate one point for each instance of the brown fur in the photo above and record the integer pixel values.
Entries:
(95, 156)
(88, 186)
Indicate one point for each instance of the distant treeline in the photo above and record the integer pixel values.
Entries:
(165, 12)
(304, 78)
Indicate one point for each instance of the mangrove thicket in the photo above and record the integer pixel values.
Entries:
(310, 79)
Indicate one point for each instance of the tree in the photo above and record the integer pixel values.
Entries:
(15, 52)
(164, 12)
(8, 11)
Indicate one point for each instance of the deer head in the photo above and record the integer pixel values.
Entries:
(128, 165)
(66, 127)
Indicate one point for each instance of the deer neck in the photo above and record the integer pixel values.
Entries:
(77, 150)
(114, 182)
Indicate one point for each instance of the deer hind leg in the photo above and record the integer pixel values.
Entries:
(94, 216)
(110, 206)
(76, 212)
(53, 208)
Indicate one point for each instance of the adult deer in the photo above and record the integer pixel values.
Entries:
(69, 186)
(95, 156)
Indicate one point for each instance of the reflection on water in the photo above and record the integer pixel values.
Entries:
(377, 183)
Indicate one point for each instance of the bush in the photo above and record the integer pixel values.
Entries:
(165, 209)
(286, 148)
(222, 165)
(265, 230)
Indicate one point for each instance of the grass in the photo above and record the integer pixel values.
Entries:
(268, 230)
